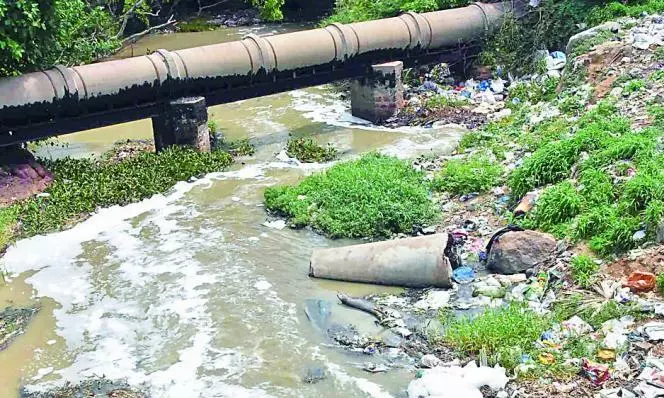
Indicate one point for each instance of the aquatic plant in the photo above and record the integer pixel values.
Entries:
(375, 196)
(83, 185)
(308, 150)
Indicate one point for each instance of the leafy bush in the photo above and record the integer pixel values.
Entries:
(307, 150)
(634, 85)
(348, 11)
(374, 196)
(83, 185)
(38, 34)
(504, 333)
(584, 270)
(464, 176)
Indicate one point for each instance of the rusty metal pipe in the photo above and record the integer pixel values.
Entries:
(410, 262)
(137, 83)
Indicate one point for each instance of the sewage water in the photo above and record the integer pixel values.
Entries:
(189, 293)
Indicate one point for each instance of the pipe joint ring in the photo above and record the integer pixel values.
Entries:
(485, 17)
(171, 65)
(71, 89)
(263, 55)
(419, 28)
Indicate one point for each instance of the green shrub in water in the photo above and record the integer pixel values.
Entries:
(307, 150)
(463, 176)
(83, 185)
(375, 196)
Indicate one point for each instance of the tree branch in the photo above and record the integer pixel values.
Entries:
(126, 16)
(149, 30)
(201, 7)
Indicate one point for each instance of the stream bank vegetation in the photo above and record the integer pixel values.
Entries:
(376, 196)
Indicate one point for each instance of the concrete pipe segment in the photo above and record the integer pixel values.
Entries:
(411, 262)
(62, 100)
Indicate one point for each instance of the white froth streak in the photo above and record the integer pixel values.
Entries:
(111, 326)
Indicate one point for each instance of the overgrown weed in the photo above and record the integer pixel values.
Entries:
(375, 196)
(476, 173)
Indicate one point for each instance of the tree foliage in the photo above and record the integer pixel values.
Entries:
(40, 33)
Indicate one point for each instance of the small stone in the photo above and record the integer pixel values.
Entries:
(502, 394)
(430, 361)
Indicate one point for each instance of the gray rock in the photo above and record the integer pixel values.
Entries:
(518, 251)
(590, 33)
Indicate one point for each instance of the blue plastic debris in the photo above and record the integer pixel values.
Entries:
(463, 275)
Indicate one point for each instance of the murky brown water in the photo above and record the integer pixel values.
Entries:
(188, 293)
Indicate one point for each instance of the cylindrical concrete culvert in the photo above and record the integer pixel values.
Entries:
(410, 262)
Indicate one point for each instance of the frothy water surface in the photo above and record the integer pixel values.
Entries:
(192, 293)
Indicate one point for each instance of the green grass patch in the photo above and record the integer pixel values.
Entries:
(593, 310)
(472, 174)
(196, 25)
(504, 333)
(8, 219)
(307, 150)
(375, 196)
(659, 53)
(584, 46)
(584, 270)
(657, 76)
(558, 204)
(660, 283)
(83, 185)
(633, 86)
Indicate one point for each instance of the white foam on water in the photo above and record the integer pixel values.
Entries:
(156, 301)
(330, 109)
(372, 389)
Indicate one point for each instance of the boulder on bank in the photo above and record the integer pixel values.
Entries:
(517, 251)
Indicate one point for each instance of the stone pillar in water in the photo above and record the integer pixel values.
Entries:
(183, 122)
(379, 96)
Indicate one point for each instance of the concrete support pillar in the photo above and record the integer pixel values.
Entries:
(379, 96)
(183, 122)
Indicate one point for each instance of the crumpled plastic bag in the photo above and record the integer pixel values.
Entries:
(455, 382)
(598, 374)
(575, 327)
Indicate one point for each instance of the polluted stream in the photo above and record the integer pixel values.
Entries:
(197, 292)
